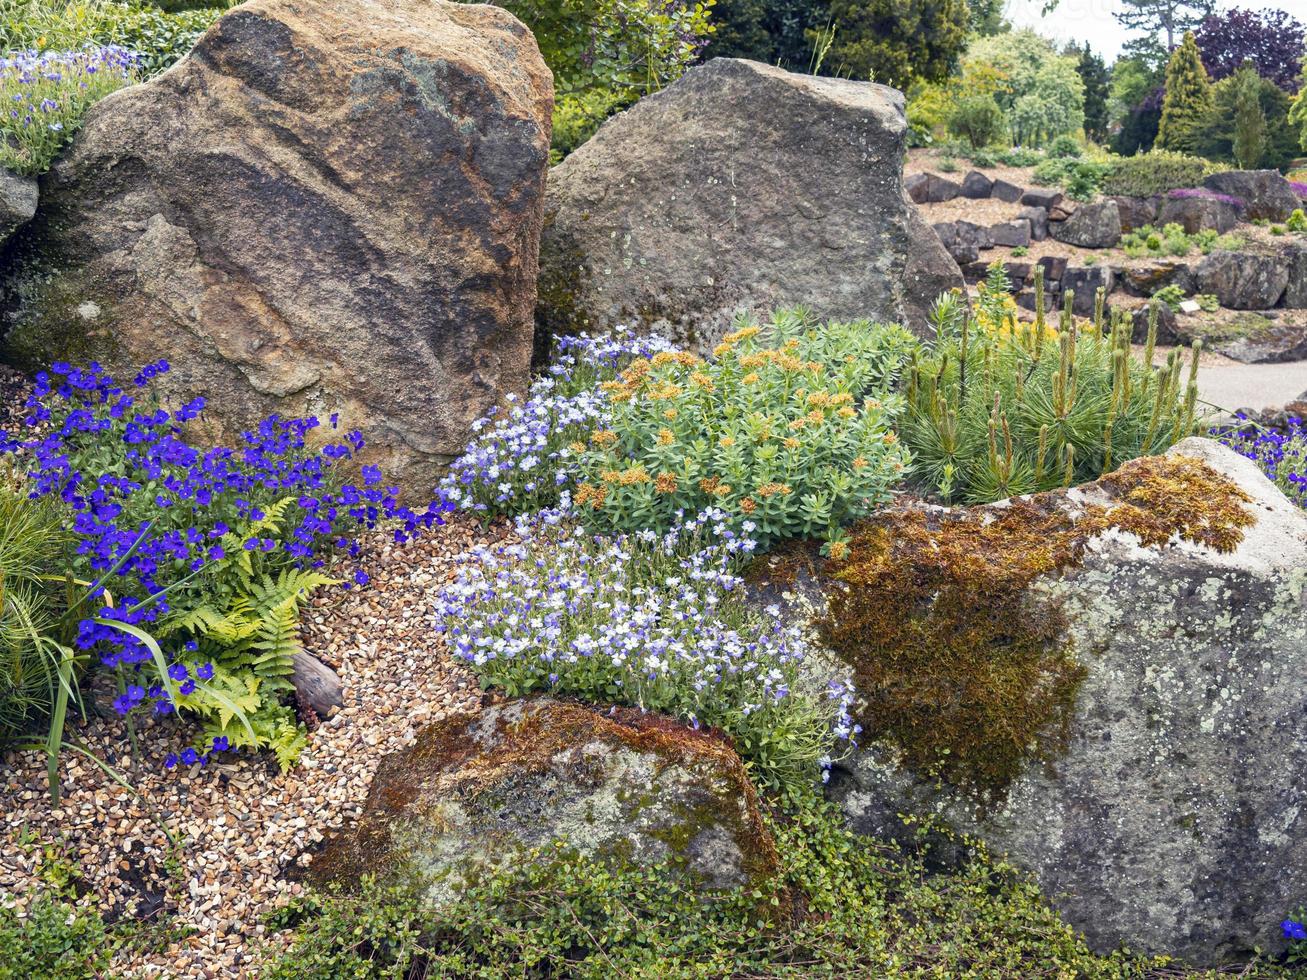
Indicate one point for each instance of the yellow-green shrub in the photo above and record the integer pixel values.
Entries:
(786, 430)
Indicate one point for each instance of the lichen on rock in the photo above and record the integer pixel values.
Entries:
(477, 791)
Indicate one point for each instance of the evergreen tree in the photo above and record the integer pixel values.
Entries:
(1188, 99)
(1298, 111)
(1249, 120)
(896, 42)
(1167, 17)
(1093, 72)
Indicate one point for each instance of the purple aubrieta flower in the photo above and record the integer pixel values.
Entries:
(1293, 930)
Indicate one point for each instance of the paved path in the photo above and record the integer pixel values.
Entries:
(1232, 386)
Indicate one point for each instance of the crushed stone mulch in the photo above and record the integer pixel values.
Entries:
(242, 826)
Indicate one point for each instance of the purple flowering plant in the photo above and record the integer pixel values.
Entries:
(207, 553)
(1294, 929)
(1282, 454)
(652, 620)
(519, 459)
(44, 95)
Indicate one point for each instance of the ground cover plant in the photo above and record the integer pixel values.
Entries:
(1171, 239)
(45, 95)
(843, 905)
(787, 426)
(208, 554)
(653, 620)
(1281, 453)
(999, 407)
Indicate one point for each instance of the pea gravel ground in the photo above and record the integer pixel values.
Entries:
(240, 824)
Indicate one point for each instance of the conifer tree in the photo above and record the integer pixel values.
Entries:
(1188, 99)
(1249, 119)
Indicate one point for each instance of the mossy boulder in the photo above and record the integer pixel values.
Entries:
(1101, 683)
(479, 790)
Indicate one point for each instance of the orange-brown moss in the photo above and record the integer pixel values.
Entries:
(962, 666)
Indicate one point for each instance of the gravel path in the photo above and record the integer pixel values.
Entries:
(240, 823)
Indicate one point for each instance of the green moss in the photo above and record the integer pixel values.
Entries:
(56, 315)
(961, 665)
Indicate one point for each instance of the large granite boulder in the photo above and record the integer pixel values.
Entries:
(1264, 193)
(976, 185)
(1096, 225)
(1113, 710)
(483, 790)
(1273, 344)
(18, 196)
(1145, 280)
(739, 187)
(325, 207)
(1200, 213)
(1241, 280)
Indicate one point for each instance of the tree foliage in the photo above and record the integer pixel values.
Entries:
(896, 41)
(771, 31)
(1271, 39)
(1163, 17)
(1249, 120)
(1094, 75)
(1297, 116)
(1188, 99)
(1039, 90)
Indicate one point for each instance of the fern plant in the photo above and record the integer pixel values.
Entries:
(999, 408)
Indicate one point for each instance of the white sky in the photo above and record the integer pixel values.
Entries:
(1092, 20)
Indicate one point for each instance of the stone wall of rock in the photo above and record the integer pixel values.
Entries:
(739, 187)
(326, 207)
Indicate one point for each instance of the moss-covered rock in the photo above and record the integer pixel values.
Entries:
(479, 790)
(1102, 683)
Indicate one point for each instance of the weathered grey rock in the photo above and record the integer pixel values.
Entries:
(1042, 197)
(1295, 288)
(654, 221)
(1265, 193)
(1146, 280)
(1011, 233)
(1038, 218)
(1174, 820)
(1166, 325)
(1061, 210)
(1026, 300)
(1096, 225)
(1054, 267)
(940, 189)
(1086, 281)
(1242, 281)
(915, 186)
(18, 196)
(1005, 191)
(1276, 344)
(316, 684)
(328, 206)
(958, 243)
(976, 185)
(1197, 214)
(928, 271)
(479, 791)
(1136, 211)
(980, 235)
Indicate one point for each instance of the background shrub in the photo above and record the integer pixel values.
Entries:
(977, 119)
(1156, 173)
(788, 427)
